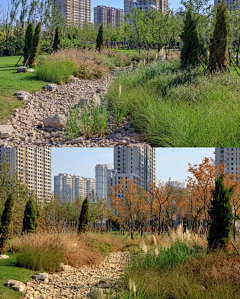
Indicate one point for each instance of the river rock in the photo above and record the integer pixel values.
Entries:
(4, 257)
(57, 121)
(30, 70)
(40, 276)
(50, 87)
(5, 131)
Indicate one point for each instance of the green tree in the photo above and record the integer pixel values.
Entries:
(28, 41)
(219, 52)
(6, 219)
(99, 41)
(221, 216)
(191, 50)
(35, 48)
(29, 220)
(57, 39)
(84, 217)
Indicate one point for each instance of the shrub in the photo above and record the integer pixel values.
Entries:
(6, 219)
(99, 41)
(57, 39)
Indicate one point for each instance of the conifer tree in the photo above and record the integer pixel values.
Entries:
(219, 52)
(28, 41)
(100, 38)
(192, 47)
(221, 216)
(6, 219)
(35, 47)
(84, 217)
(29, 220)
(57, 39)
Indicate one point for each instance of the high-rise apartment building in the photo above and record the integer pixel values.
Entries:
(77, 12)
(33, 167)
(229, 3)
(102, 172)
(139, 161)
(145, 5)
(230, 156)
(68, 187)
(108, 15)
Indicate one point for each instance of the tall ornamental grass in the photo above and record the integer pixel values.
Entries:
(179, 108)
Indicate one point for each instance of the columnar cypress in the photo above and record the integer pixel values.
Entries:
(35, 47)
(100, 38)
(221, 216)
(84, 217)
(29, 220)
(28, 41)
(191, 50)
(219, 52)
(57, 39)
(6, 219)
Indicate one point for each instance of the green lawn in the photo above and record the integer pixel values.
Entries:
(9, 270)
(11, 82)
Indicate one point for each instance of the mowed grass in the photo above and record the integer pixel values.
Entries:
(174, 108)
(11, 82)
(9, 270)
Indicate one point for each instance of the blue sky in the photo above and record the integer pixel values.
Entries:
(175, 4)
(170, 162)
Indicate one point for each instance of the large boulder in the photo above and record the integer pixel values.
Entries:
(50, 87)
(4, 257)
(23, 95)
(17, 286)
(57, 121)
(21, 69)
(5, 131)
(40, 276)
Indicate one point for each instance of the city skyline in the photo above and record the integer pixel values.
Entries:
(170, 162)
(174, 4)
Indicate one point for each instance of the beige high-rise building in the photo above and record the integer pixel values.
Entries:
(77, 12)
(230, 156)
(140, 161)
(33, 167)
(145, 5)
(108, 15)
(68, 187)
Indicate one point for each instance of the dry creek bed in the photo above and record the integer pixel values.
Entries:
(27, 123)
(86, 282)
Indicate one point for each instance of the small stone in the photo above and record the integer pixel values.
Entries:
(50, 87)
(56, 121)
(4, 257)
(21, 69)
(30, 70)
(96, 293)
(5, 131)
(122, 142)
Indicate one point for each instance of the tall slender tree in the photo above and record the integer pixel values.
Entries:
(100, 38)
(191, 50)
(35, 47)
(219, 47)
(6, 219)
(29, 220)
(57, 39)
(84, 217)
(221, 216)
(28, 41)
